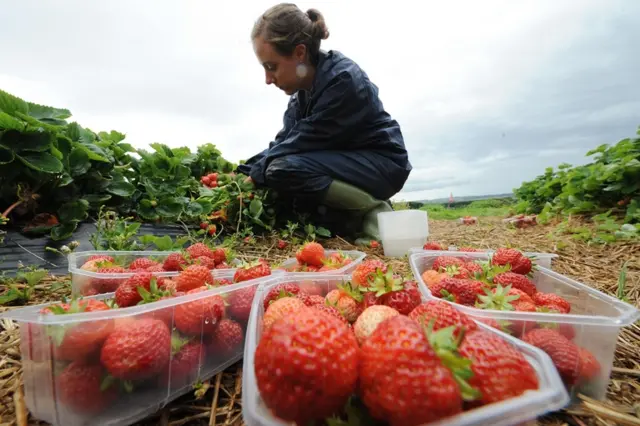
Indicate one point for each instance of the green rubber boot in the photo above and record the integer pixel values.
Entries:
(361, 204)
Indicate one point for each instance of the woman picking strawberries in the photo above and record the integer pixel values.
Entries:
(338, 150)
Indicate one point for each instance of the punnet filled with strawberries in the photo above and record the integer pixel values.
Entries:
(97, 272)
(313, 257)
(115, 358)
(367, 348)
(576, 325)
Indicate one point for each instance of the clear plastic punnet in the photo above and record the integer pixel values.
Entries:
(356, 258)
(540, 259)
(117, 366)
(86, 281)
(550, 396)
(592, 324)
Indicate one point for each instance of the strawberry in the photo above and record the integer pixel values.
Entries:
(402, 380)
(499, 370)
(205, 261)
(97, 257)
(141, 264)
(222, 282)
(219, 256)
(187, 357)
(199, 316)
(551, 302)
(432, 245)
(211, 230)
(589, 365)
(137, 350)
(366, 271)
(520, 264)
(192, 277)
(280, 308)
(76, 306)
(443, 314)
(468, 249)
(251, 271)
(128, 293)
(347, 300)
(475, 270)
(240, 302)
(563, 352)
(462, 291)
(108, 285)
(282, 244)
(281, 290)
(392, 291)
(82, 387)
(432, 278)
(506, 299)
(227, 340)
(516, 281)
(455, 271)
(174, 262)
(441, 263)
(223, 265)
(310, 300)
(199, 249)
(369, 320)
(493, 324)
(369, 299)
(310, 385)
(331, 311)
(312, 254)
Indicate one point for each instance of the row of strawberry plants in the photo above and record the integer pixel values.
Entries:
(55, 174)
(609, 184)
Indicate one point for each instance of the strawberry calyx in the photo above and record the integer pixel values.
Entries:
(153, 294)
(445, 343)
(499, 299)
(350, 290)
(385, 282)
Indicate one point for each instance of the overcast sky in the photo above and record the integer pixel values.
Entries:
(488, 93)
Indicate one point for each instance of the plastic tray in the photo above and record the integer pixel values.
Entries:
(595, 318)
(540, 259)
(42, 363)
(551, 395)
(83, 281)
(357, 257)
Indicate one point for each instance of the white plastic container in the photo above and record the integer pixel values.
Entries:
(594, 322)
(549, 397)
(541, 259)
(356, 258)
(44, 359)
(86, 283)
(401, 230)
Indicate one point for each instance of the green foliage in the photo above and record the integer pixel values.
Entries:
(480, 208)
(610, 183)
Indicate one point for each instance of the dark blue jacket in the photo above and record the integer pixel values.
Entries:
(341, 112)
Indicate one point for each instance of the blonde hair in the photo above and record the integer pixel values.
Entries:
(285, 26)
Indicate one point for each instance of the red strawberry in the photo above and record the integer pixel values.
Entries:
(137, 350)
(205, 261)
(516, 281)
(392, 291)
(369, 320)
(563, 352)
(76, 306)
(252, 271)
(330, 310)
(551, 302)
(475, 270)
(199, 249)
(200, 316)
(81, 387)
(100, 257)
(506, 299)
(108, 285)
(468, 249)
(281, 290)
(223, 265)
(187, 357)
(520, 264)
(220, 256)
(282, 244)
(441, 263)
(128, 293)
(222, 282)
(227, 339)
(240, 302)
(281, 308)
(398, 360)
(443, 314)
(462, 291)
(312, 254)
(366, 271)
(499, 370)
(141, 264)
(174, 262)
(326, 384)
(347, 300)
(432, 245)
(589, 365)
(192, 277)
(369, 299)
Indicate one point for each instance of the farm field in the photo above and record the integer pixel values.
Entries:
(56, 176)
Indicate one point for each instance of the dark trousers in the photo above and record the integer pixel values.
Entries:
(308, 175)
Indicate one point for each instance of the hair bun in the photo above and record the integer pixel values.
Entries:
(320, 30)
